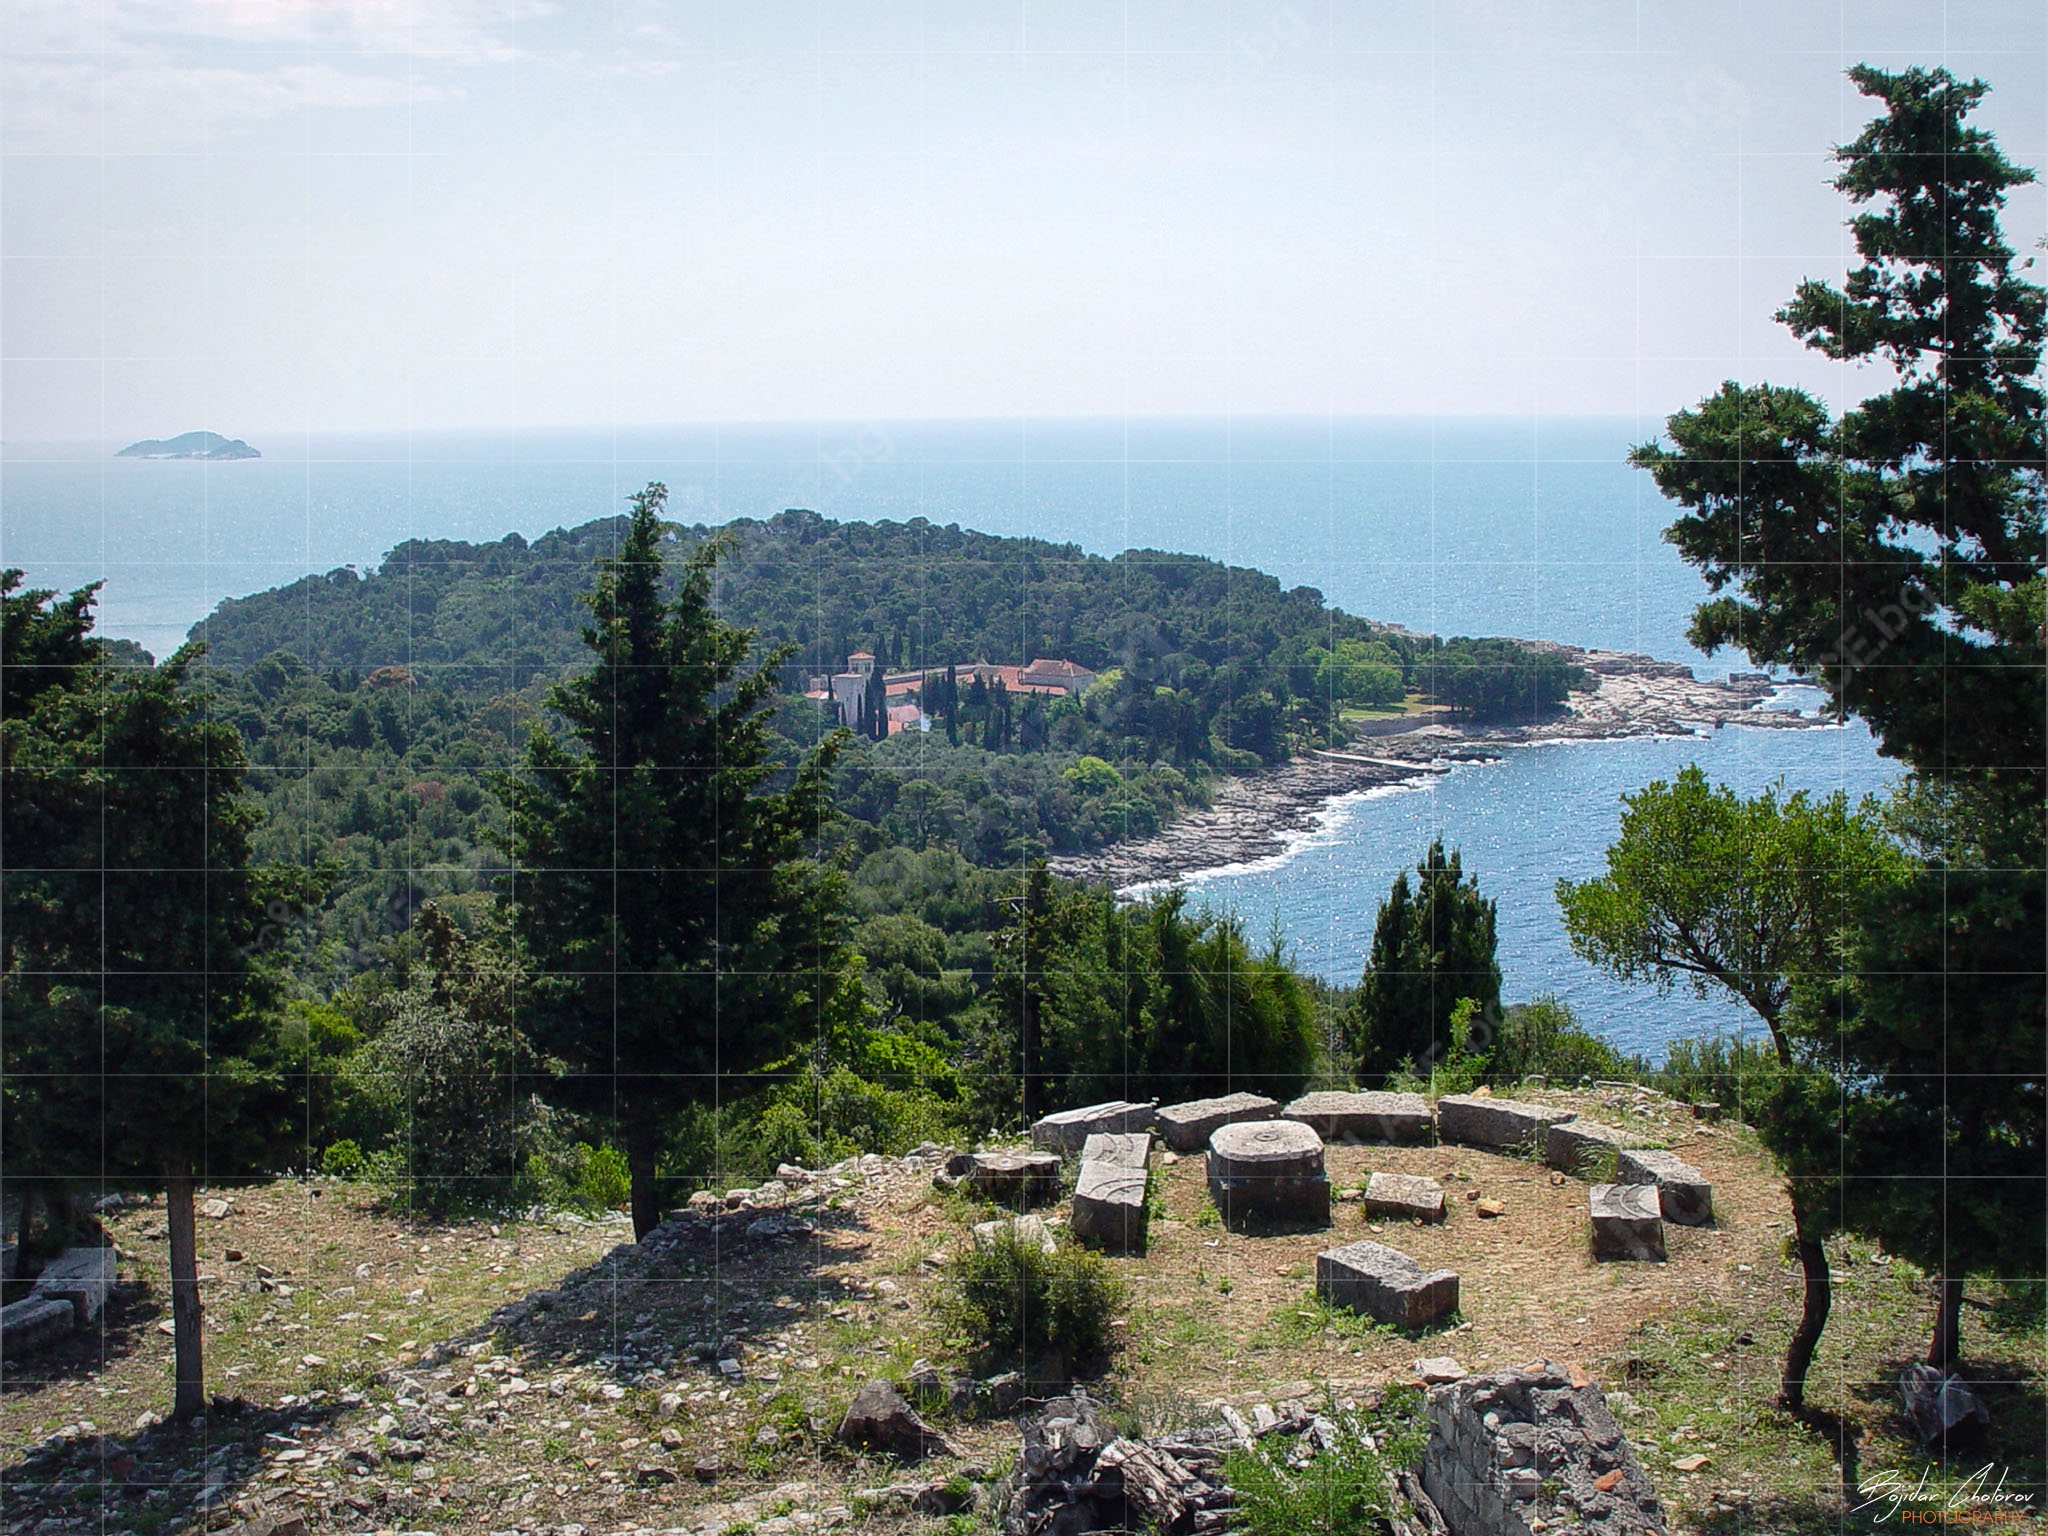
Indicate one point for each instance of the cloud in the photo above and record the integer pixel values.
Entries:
(149, 73)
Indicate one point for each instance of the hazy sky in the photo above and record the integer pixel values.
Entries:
(278, 216)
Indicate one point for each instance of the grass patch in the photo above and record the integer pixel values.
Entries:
(1310, 1318)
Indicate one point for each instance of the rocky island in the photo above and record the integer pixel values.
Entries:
(1257, 815)
(190, 445)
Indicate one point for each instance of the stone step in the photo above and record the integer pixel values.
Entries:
(1626, 1222)
(1131, 1149)
(1363, 1117)
(1069, 1129)
(1386, 1284)
(1404, 1195)
(1473, 1121)
(1109, 1207)
(34, 1324)
(1188, 1127)
(82, 1276)
(1683, 1193)
(1577, 1145)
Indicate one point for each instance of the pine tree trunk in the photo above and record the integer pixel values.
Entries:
(1813, 1320)
(1947, 1345)
(185, 1318)
(646, 1196)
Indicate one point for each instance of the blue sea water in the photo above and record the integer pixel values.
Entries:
(1533, 527)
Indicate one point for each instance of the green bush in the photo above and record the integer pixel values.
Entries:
(1737, 1073)
(1016, 1301)
(816, 1121)
(1342, 1490)
(1545, 1038)
(344, 1160)
(579, 1177)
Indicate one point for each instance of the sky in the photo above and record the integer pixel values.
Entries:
(275, 217)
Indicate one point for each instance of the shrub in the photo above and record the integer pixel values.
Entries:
(1342, 1490)
(1015, 1300)
(1545, 1037)
(816, 1121)
(578, 1177)
(344, 1160)
(1735, 1072)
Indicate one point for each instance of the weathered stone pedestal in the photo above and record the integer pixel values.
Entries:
(1188, 1127)
(1272, 1167)
(1386, 1284)
(1683, 1193)
(1626, 1222)
(1358, 1117)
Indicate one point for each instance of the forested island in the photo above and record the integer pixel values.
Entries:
(190, 445)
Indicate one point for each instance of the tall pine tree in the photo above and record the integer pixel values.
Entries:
(1432, 945)
(680, 933)
(1896, 555)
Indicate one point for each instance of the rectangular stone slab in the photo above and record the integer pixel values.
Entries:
(1363, 1116)
(1069, 1130)
(1131, 1150)
(1488, 1122)
(34, 1324)
(82, 1276)
(1386, 1284)
(1626, 1222)
(1109, 1207)
(1575, 1145)
(1187, 1127)
(1027, 1230)
(1405, 1195)
(1683, 1193)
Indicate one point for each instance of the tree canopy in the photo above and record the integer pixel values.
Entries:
(682, 935)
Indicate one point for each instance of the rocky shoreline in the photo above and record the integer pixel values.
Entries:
(1260, 815)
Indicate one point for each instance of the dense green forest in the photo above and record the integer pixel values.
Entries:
(375, 706)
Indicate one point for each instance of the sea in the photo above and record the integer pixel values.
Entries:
(1532, 526)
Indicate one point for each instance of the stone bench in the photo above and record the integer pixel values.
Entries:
(82, 1276)
(1109, 1207)
(1576, 1145)
(1014, 1178)
(1131, 1149)
(1626, 1222)
(1683, 1193)
(1475, 1121)
(1363, 1116)
(1405, 1195)
(1384, 1283)
(1188, 1127)
(1069, 1129)
(1274, 1167)
(34, 1324)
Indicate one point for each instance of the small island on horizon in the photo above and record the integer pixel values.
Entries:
(190, 445)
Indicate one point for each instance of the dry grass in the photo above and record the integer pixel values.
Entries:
(556, 1415)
